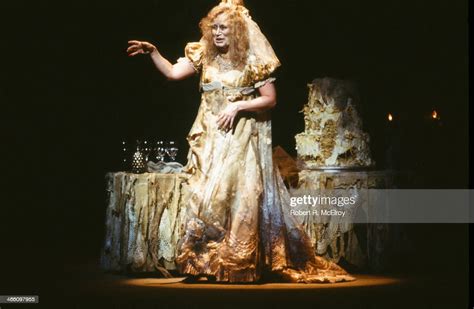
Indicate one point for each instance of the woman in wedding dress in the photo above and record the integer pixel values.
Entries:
(238, 227)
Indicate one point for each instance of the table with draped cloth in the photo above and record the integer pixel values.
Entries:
(145, 221)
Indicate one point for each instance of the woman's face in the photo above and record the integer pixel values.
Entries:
(221, 32)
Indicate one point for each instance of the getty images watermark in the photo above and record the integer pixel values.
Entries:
(321, 205)
(359, 205)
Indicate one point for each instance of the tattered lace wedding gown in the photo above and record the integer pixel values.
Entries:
(238, 224)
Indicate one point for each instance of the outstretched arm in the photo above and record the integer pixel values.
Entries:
(178, 71)
(266, 100)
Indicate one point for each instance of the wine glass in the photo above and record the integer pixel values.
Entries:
(171, 150)
(160, 151)
(146, 150)
(125, 155)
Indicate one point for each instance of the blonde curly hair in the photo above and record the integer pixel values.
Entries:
(238, 38)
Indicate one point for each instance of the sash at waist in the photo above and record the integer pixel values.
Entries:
(217, 85)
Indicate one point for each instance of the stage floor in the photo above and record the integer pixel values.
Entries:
(83, 285)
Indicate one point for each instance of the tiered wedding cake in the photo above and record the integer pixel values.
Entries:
(333, 135)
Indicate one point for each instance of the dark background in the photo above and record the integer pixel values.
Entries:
(65, 74)
(69, 95)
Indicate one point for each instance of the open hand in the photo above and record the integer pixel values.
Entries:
(139, 47)
(225, 120)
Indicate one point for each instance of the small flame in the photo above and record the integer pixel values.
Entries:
(390, 117)
(434, 114)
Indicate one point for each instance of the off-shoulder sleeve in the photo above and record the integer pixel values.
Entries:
(194, 53)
